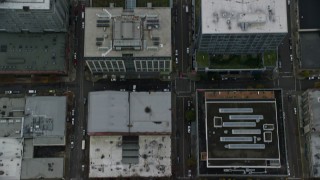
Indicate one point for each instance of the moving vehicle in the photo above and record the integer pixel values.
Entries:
(176, 60)
(176, 52)
(83, 132)
(295, 111)
(189, 129)
(72, 121)
(187, 50)
(189, 173)
(52, 91)
(72, 112)
(187, 9)
(71, 144)
(134, 88)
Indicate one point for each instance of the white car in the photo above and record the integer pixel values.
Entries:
(311, 78)
(176, 60)
(295, 111)
(189, 129)
(72, 121)
(134, 88)
(166, 90)
(176, 52)
(189, 173)
(187, 50)
(72, 112)
(291, 58)
(32, 91)
(7, 92)
(82, 25)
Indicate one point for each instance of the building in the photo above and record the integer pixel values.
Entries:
(34, 39)
(28, 126)
(129, 134)
(242, 27)
(310, 114)
(128, 43)
(240, 132)
(34, 16)
(307, 40)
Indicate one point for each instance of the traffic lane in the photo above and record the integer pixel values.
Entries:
(186, 40)
(293, 146)
(181, 141)
(287, 82)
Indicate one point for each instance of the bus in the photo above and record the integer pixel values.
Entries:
(83, 144)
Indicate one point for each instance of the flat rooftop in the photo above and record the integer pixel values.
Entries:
(32, 53)
(308, 11)
(144, 33)
(246, 16)
(240, 131)
(10, 158)
(12, 117)
(33, 168)
(19, 4)
(309, 47)
(106, 154)
(129, 112)
(46, 120)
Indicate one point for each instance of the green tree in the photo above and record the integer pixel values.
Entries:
(190, 115)
(191, 162)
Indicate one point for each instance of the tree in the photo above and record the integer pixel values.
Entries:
(190, 115)
(191, 162)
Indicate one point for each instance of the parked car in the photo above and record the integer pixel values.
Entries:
(187, 50)
(84, 100)
(7, 92)
(31, 91)
(72, 121)
(16, 92)
(176, 52)
(189, 173)
(52, 91)
(134, 88)
(189, 129)
(176, 60)
(71, 144)
(311, 78)
(83, 132)
(291, 58)
(295, 111)
(166, 90)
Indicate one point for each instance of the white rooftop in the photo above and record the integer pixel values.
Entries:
(19, 4)
(243, 16)
(10, 157)
(154, 157)
(135, 112)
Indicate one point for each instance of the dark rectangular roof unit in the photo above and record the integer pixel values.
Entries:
(98, 43)
(103, 25)
(156, 38)
(99, 39)
(103, 21)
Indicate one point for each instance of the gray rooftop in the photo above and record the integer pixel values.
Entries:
(11, 117)
(246, 16)
(309, 47)
(34, 168)
(123, 112)
(146, 32)
(11, 155)
(158, 119)
(32, 53)
(45, 119)
(108, 111)
(19, 4)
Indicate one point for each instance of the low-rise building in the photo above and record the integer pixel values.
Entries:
(240, 132)
(129, 134)
(27, 127)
